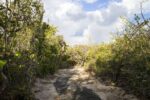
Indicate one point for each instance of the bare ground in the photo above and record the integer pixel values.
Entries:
(76, 84)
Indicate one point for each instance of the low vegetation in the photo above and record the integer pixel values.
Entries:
(28, 48)
(126, 61)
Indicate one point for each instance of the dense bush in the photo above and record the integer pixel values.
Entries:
(98, 58)
(127, 59)
(49, 49)
(28, 47)
(131, 56)
(19, 73)
(78, 54)
(17, 20)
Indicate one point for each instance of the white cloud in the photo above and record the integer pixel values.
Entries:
(85, 27)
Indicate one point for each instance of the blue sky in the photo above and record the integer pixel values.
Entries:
(90, 21)
(99, 4)
(94, 6)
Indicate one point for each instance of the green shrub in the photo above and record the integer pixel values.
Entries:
(49, 49)
(127, 59)
(99, 58)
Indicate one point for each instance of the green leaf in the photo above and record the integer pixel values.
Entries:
(18, 54)
(2, 63)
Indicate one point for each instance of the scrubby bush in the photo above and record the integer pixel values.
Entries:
(78, 54)
(17, 22)
(49, 50)
(98, 58)
(131, 54)
(127, 59)
(28, 47)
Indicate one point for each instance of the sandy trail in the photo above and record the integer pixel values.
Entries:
(76, 84)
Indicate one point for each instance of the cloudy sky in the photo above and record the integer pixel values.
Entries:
(90, 21)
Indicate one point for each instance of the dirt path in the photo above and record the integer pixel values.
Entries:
(76, 84)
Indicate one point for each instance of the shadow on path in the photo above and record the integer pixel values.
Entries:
(61, 84)
(80, 93)
(76, 84)
(84, 93)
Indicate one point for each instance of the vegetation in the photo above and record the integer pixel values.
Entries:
(49, 50)
(30, 47)
(78, 54)
(126, 61)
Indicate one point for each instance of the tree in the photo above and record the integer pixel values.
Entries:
(16, 15)
(16, 18)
